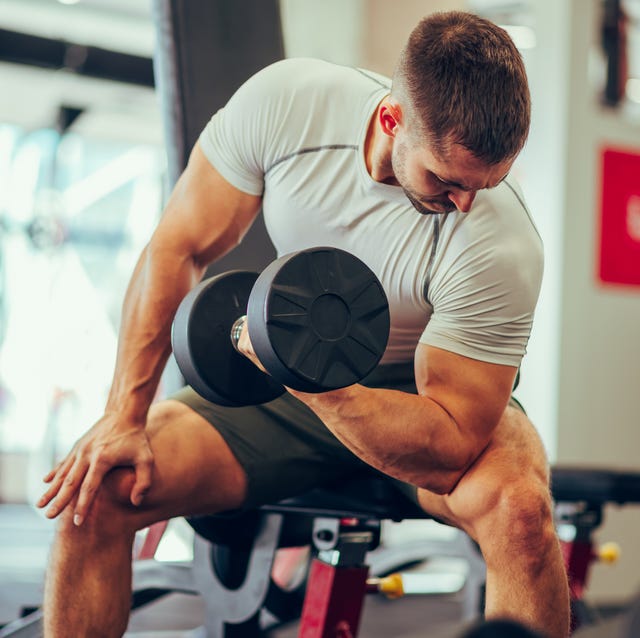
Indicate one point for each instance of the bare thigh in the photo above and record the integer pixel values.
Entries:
(194, 470)
(514, 460)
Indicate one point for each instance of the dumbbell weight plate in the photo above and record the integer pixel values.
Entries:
(201, 339)
(318, 319)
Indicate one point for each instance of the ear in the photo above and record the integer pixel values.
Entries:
(390, 117)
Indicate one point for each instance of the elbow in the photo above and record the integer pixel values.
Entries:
(441, 482)
(165, 254)
(446, 475)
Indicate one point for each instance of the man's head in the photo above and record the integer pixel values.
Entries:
(461, 80)
(459, 110)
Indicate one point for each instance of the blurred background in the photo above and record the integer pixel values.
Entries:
(83, 178)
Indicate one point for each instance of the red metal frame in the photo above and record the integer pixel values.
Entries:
(333, 603)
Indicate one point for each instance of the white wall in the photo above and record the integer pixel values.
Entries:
(388, 25)
(365, 33)
(330, 30)
(599, 375)
(540, 170)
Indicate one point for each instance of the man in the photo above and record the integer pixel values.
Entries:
(414, 181)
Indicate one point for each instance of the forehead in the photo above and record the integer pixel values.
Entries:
(459, 167)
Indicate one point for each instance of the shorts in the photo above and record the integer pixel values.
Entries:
(285, 449)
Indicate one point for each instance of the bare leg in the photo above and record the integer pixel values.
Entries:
(88, 587)
(504, 503)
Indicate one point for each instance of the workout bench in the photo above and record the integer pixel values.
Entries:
(580, 496)
(232, 567)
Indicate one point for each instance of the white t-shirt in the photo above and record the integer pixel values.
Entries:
(465, 282)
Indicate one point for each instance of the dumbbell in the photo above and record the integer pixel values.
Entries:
(318, 321)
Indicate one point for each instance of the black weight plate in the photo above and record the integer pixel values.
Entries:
(318, 319)
(201, 339)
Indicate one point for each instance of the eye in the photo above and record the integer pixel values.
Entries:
(434, 178)
(440, 180)
(457, 187)
(444, 182)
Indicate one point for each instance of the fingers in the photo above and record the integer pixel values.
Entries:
(88, 490)
(55, 477)
(64, 487)
(83, 471)
(49, 477)
(246, 348)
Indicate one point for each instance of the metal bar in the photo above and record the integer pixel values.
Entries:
(91, 61)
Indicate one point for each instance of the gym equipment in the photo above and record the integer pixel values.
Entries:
(318, 320)
(342, 524)
(233, 556)
(581, 495)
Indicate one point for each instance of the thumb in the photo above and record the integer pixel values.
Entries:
(143, 483)
(137, 497)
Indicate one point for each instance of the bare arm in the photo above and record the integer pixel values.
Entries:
(429, 439)
(204, 219)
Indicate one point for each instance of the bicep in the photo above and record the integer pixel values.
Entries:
(474, 393)
(205, 216)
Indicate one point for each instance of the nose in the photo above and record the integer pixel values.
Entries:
(463, 200)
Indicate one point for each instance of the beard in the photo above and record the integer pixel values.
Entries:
(424, 205)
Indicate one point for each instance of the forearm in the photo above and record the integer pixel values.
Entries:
(407, 436)
(204, 219)
(158, 284)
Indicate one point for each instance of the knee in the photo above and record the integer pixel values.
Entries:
(111, 512)
(520, 524)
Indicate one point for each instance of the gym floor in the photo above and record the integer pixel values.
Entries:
(405, 618)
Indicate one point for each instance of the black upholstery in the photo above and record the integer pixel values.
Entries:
(372, 498)
(379, 498)
(595, 485)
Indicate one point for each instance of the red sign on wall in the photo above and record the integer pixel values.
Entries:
(620, 218)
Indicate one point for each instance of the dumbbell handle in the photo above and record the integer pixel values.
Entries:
(236, 331)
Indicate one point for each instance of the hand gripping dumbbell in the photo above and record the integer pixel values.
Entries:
(318, 320)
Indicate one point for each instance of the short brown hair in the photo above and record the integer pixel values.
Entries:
(465, 82)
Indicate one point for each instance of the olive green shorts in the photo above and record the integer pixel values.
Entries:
(284, 448)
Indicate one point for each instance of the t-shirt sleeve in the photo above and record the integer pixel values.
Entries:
(235, 140)
(484, 299)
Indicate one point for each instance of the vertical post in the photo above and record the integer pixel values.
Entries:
(205, 50)
(333, 603)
